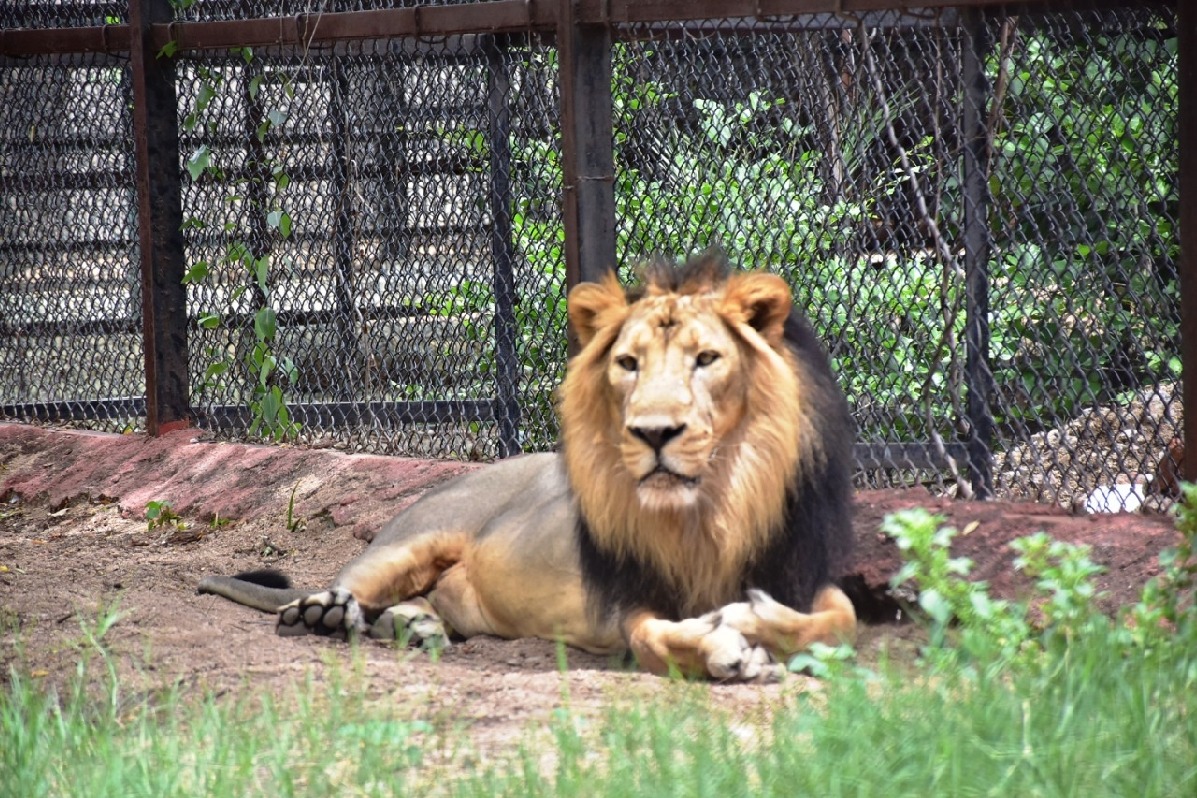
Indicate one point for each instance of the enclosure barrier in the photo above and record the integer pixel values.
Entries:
(355, 222)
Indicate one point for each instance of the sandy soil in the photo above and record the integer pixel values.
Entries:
(74, 539)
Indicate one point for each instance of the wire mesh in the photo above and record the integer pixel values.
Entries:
(358, 197)
(374, 229)
(70, 298)
(214, 10)
(833, 151)
(62, 13)
(818, 149)
(1085, 295)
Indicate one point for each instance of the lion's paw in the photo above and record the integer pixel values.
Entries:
(334, 613)
(730, 657)
(412, 623)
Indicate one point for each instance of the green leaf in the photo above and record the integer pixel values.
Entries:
(805, 663)
(169, 49)
(237, 252)
(207, 92)
(265, 324)
(935, 605)
(216, 369)
(209, 321)
(281, 221)
(261, 269)
(281, 178)
(196, 273)
(198, 162)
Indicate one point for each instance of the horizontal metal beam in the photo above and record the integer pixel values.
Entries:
(80, 410)
(627, 11)
(498, 16)
(320, 415)
(909, 455)
(45, 41)
(332, 415)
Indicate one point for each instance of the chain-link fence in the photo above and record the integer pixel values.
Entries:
(978, 210)
(379, 199)
(70, 332)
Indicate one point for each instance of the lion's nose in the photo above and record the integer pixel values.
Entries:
(657, 437)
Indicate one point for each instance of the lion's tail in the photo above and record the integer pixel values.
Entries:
(265, 590)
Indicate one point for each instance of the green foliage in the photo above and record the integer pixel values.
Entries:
(268, 372)
(1167, 605)
(1085, 198)
(158, 515)
(971, 630)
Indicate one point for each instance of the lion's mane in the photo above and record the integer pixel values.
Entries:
(775, 516)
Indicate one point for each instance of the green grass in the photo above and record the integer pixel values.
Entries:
(1072, 704)
(1091, 725)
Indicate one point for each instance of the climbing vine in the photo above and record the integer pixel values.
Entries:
(246, 241)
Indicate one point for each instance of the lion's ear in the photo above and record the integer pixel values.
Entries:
(760, 300)
(593, 306)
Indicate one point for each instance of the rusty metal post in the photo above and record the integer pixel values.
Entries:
(1186, 26)
(159, 221)
(588, 149)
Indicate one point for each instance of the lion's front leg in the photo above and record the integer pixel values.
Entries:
(696, 647)
(784, 631)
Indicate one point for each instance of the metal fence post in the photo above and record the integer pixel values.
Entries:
(588, 149)
(159, 220)
(975, 177)
(507, 409)
(1186, 24)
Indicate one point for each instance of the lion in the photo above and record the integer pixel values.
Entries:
(695, 515)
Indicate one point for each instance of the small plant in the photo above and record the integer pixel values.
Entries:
(1167, 607)
(967, 625)
(823, 661)
(219, 523)
(988, 627)
(294, 523)
(159, 515)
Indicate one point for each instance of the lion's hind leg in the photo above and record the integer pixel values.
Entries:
(381, 594)
(336, 613)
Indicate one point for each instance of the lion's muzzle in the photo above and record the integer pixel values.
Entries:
(657, 436)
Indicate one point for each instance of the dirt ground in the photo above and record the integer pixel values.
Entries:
(74, 538)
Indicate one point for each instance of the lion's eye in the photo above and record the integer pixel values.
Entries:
(706, 358)
(626, 362)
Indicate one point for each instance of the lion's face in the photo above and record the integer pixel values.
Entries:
(661, 398)
(675, 377)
